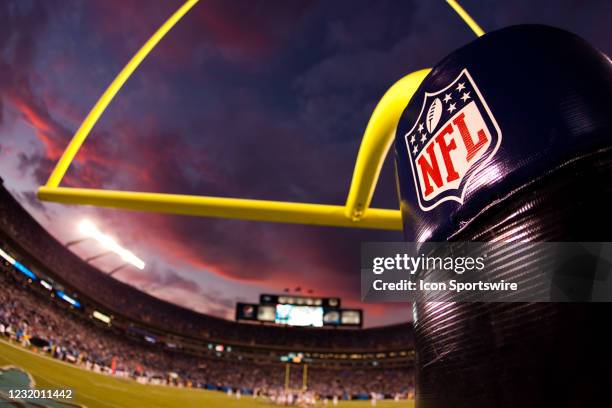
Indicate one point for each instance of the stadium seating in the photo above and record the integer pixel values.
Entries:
(156, 341)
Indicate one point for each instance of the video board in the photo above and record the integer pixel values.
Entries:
(299, 311)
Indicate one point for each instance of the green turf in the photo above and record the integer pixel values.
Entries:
(99, 390)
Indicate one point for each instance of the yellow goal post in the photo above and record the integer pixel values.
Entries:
(356, 212)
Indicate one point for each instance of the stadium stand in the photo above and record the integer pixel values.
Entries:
(154, 341)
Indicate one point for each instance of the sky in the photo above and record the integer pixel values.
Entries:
(263, 99)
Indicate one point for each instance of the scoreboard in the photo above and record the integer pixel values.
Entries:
(304, 311)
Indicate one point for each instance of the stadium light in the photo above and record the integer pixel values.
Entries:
(68, 299)
(46, 285)
(17, 265)
(89, 229)
(101, 316)
(7, 257)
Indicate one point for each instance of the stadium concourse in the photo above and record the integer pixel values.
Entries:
(55, 303)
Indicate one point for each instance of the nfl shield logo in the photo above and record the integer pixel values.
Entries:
(454, 136)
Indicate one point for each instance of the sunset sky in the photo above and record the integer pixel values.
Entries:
(252, 99)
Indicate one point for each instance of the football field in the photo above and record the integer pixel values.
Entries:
(102, 391)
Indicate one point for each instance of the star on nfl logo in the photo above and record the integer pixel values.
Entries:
(454, 136)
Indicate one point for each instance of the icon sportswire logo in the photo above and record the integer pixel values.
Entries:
(454, 135)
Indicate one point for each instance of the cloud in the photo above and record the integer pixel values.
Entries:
(30, 198)
(256, 99)
(251, 146)
(169, 278)
(170, 285)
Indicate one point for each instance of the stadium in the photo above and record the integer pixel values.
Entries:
(60, 306)
(188, 214)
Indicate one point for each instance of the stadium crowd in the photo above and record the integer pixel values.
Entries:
(29, 318)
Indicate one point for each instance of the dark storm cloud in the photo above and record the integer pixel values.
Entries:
(20, 28)
(30, 198)
(170, 285)
(159, 279)
(253, 99)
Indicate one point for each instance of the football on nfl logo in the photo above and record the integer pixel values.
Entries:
(453, 137)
